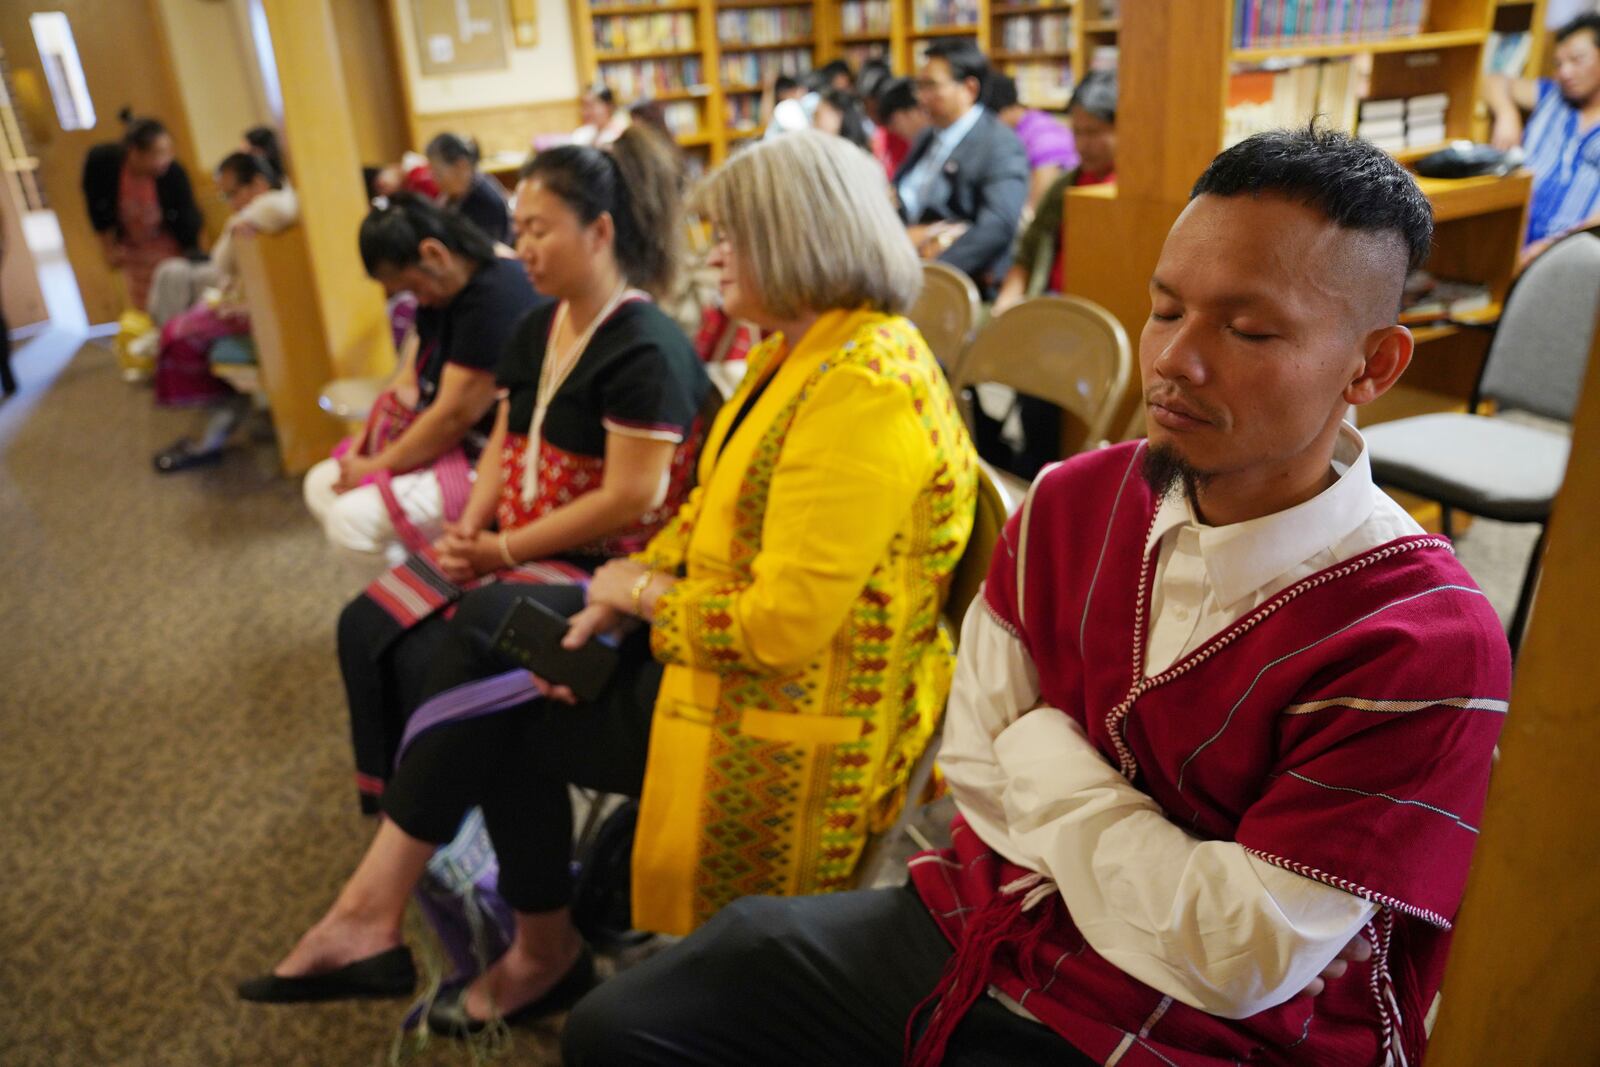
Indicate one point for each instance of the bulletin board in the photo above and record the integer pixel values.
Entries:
(457, 36)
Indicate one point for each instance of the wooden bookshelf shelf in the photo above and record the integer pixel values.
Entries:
(943, 31)
(629, 57)
(771, 46)
(694, 92)
(743, 133)
(610, 10)
(1003, 10)
(1030, 57)
(1417, 42)
(1102, 25)
(702, 139)
(747, 5)
(868, 37)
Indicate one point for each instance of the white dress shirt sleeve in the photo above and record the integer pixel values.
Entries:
(1201, 921)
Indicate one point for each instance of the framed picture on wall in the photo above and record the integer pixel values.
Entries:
(458, 36)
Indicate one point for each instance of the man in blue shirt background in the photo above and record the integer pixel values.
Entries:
(1562, 138)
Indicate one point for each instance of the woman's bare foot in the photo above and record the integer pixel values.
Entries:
(336, 940)
(524, 974)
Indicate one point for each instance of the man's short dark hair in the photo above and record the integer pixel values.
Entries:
(1590, 22)
(1097, 95)
(894, 96)
(1002, 92)
(784, 84)
(964, 59)
(835, 68)
(1356, 185)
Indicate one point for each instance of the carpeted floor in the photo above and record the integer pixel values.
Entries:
(175, 784)
(175, 777)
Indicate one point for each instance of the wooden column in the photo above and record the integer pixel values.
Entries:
(1523, 969)
(322, 142)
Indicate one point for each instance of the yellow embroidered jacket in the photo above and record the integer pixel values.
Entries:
(806, 666)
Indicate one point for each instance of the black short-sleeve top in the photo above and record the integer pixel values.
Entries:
(638, 376)
(473, 330)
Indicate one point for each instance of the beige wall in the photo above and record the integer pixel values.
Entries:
(212, 64)
(547, 71)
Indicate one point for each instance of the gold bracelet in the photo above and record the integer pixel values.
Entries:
(505, 550)
(640, 584)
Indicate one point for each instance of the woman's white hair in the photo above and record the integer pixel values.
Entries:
(812, 223)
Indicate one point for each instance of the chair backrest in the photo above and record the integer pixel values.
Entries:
(946, 312)
(1064, 349)
(1541, 347)
(967, 579)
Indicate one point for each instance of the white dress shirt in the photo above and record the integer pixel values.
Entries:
(914, 185)
(1201, 921)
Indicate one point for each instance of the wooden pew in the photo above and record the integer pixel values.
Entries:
(286, 320)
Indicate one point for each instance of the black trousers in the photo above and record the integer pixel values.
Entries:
(516, 764)
(801, 980)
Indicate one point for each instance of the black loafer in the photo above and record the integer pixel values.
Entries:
(182, 455)
(448, 1015)
(388, 974)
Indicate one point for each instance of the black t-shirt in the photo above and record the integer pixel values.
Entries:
(485, 207)
(473, 329)
(639, 374)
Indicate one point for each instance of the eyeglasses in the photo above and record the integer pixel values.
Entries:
(928, 85)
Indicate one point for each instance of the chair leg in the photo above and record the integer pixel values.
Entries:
(1530, 582)
(1447, 522)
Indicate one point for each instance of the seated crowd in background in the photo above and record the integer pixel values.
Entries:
(260, 203)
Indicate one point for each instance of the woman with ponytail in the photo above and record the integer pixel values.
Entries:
(596, 432)
(140, 203)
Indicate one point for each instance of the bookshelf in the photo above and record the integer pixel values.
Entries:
(707, 60)
(1049, 45)
(1173, 52)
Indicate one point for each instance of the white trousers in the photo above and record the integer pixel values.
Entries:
(358, 521)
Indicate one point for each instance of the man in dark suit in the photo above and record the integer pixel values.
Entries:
(963, 185)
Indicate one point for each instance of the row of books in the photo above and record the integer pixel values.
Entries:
(1043, 85)
(1036, 33)
(1414, 122)
(1287, 23)
(864, 16)
(755, 68)
(744, 112)
(933, 14)
(1103, 57)
(633, 79)
(644, 33)
(763, 25)
(1272, 99)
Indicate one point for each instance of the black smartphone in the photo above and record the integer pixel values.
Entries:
(530, 635)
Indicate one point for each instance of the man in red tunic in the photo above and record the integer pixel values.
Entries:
(1221, 727)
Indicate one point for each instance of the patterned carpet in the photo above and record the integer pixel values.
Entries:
(174, 765)
(174, 759)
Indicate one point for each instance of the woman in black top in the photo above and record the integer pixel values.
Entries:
(462, 187)
(469, 302)
(595, 435)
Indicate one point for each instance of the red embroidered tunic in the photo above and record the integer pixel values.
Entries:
(1343, 731)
